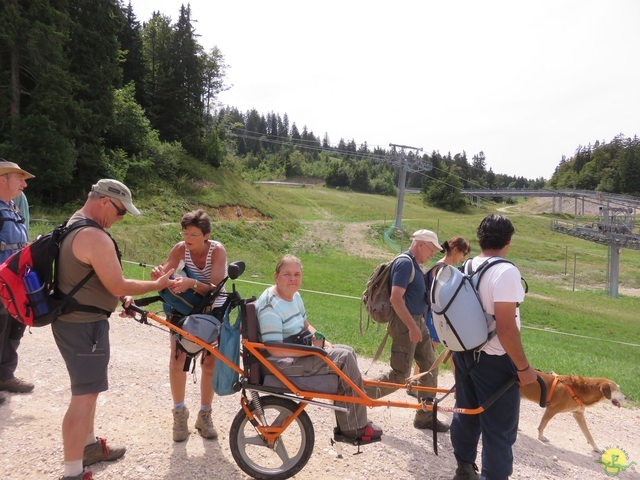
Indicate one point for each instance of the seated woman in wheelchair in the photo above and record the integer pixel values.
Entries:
(282, 318)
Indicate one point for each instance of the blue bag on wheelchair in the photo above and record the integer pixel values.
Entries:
(180, 303)
(224, 377)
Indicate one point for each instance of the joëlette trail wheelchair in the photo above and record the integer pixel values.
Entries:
(272, 436)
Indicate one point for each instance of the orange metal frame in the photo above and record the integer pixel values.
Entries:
(270, 432)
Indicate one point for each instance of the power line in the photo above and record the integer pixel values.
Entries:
(351, 297)
(387, 159)
(543, 330)
(313, 146)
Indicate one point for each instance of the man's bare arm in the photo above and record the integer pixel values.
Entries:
(94, 247)
(397, 302)
(509, 335)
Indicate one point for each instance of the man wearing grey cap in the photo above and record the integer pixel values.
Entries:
(83, 334)
(13, 236)
(407, 329)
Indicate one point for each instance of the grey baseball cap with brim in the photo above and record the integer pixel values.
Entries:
(115, 189)
(10, 167)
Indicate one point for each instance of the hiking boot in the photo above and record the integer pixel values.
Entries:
(16, 385)
(466, 471)
(180, 427)
(204, 424)
(424, 420)
(83, 476)
(100, 452)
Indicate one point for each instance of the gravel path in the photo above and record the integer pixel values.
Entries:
(136, 412)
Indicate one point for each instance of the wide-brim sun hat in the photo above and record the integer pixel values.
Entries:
(10, 167)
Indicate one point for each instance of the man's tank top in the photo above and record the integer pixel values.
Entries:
(71, 271)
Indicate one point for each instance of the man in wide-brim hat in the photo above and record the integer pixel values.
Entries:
(13, 236)
(10, 167)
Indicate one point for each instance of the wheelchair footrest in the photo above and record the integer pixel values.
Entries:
(339, 437)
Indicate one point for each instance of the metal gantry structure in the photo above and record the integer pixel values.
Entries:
(406, 162)
(616, 226)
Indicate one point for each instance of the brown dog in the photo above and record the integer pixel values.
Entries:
(566, 393)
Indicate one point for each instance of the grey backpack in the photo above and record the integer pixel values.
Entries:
(205, 327)
(458, 315)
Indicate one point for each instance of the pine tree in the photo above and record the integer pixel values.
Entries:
(185, 121)
(629, 172)
(130, 39)
(93, 53)
(295, 134)
(214, 73)
(157, 42)
(283, 127)
(256, 127)
(34, 71)
(326, 144)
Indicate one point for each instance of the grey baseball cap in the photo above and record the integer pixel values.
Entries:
(115, 189)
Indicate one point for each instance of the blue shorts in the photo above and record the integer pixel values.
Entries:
(85, 350)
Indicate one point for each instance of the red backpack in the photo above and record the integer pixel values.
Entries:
(35, 265)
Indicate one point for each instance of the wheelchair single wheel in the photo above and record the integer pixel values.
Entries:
(290, 452)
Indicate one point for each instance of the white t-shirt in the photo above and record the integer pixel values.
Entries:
(499, 283)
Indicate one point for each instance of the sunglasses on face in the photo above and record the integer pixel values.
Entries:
(121, 212)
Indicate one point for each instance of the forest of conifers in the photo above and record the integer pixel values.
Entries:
(88, 91)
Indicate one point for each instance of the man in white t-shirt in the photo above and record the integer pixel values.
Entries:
(480, 374)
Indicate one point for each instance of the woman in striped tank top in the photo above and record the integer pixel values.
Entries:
(207, 259)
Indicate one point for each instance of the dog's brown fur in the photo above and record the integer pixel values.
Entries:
(589, 390)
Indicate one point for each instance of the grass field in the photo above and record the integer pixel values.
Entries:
(570, 325)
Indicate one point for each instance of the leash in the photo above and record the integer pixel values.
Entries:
(485, 406)
(487, 403)
(444, 357)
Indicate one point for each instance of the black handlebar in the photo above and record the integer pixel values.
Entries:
(543, 392)
(133, 309)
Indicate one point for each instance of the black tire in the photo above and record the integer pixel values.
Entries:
(293, 448)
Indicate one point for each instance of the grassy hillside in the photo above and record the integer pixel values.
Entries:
(581, 332)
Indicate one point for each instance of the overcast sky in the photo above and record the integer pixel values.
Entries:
(524, 82)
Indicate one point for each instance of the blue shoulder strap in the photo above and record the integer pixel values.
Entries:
(413, 267)
(17, 217)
